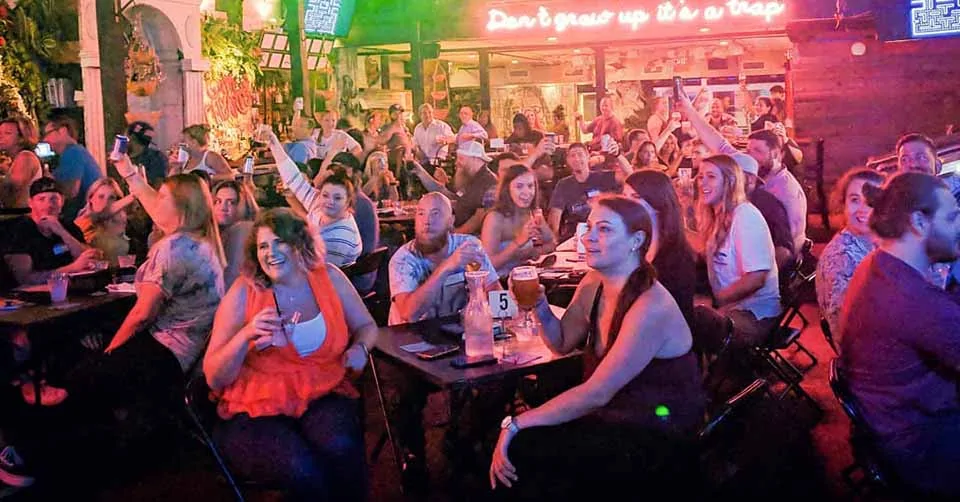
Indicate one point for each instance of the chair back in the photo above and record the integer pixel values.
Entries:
(828, 335)
(367, 263)
(841, 390)
(720, 424)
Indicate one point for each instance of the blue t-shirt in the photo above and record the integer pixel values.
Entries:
(76, 163)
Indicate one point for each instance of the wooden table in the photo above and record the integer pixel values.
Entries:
(460, 383)
(44, 323)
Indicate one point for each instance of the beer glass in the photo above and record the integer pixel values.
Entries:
(473, 265)
(525, 284)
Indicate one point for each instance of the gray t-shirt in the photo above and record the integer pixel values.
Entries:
(188, 272)
(234, 237)
(572, 198)
(409, 269)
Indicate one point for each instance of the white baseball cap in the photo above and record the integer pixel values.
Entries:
(473, 149)
(747, 163)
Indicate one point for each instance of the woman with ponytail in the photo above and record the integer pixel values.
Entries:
(640, 400)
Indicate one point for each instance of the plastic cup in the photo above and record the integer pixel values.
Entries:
(58, 282)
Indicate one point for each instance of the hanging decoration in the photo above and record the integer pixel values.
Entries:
(142, 65)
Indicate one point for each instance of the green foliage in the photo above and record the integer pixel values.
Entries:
(30, 38)
(230, 50)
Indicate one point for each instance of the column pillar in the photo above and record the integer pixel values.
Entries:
(93, 127)
(193, 112)
(600, 72)
(484, 57)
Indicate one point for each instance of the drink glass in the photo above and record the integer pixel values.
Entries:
(473, 265)
(127, 261)
(525, 284)
(58, 282)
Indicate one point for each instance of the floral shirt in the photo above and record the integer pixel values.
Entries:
(191, 277)
(837, 263)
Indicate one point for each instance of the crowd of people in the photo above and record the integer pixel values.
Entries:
(257, 298)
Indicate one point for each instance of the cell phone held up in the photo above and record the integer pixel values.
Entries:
(677, 89)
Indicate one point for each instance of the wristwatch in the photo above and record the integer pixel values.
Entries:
(510, 423)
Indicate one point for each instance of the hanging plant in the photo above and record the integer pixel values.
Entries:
(142, 65)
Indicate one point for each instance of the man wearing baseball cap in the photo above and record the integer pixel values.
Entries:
(474, 187)
(770, 208)
(40, 242)
(140, 152)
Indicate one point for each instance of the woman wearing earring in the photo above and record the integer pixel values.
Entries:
(287, 339)
(640, 401)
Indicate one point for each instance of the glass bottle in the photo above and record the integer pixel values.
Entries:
(477, 318)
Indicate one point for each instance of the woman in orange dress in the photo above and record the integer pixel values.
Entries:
(287, 339)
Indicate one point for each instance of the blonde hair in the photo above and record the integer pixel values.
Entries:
(715, 221)
(192, 198)
(100, 183)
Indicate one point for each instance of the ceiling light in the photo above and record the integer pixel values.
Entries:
(551, 39)
(704, 30)
(576, 51)
(514, 62)
(724, 42)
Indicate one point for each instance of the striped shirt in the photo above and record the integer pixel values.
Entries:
(340, 238)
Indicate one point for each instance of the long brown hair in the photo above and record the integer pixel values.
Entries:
(636, 218)
(716, 221)
(656, 188)
(192, 198)
(504, 203)
(26, 129)
(247, 205)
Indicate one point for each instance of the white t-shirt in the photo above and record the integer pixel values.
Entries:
(409, 269)
(426, 138)
(788, 191)
(338, 141)
(747, 248)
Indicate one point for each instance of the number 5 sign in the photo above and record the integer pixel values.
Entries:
(502, 305)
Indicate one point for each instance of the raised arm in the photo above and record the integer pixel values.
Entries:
(708, 135)
(292, 178)
(139, 187)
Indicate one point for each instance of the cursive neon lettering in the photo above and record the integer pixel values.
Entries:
(633, 18)
(667, 12)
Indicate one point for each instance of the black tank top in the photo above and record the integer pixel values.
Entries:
(667, 395)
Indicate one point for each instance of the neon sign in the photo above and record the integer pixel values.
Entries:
(666, 13)
(934, 17)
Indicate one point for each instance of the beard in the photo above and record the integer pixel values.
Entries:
(428, 246)
(942, 246)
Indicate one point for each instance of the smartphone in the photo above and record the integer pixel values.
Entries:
(438, 352)
(463, 362)
(677, 88)
(43, 150)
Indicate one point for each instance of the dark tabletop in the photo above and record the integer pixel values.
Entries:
(440, 373)
(36, 314)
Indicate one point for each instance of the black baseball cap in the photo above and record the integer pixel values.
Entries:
(141, 131)
(347, 159)
(43, 185)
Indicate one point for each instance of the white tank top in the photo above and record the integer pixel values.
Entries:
(308, 336)
(202, 166)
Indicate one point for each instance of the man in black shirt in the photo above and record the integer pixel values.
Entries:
(475, 186)
(772, 210)
(40, 242)
(152, 160)
(570, 201)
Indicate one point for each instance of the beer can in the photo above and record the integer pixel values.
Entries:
(119, 147)
(248, 165)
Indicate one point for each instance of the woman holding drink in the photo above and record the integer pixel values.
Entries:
(516, 231)
(640, 401)
(287, 339)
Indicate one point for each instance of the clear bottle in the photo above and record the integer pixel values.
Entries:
(477, 318)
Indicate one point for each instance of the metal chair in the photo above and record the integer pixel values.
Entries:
(376, 299)
(723, 430)
(202, 414)
(828, 335)
(867, 458)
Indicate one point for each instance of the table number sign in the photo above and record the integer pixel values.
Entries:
(502, 305)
